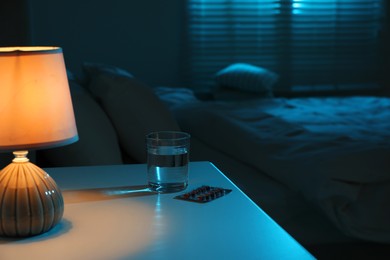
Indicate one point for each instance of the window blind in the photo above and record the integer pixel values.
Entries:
(311, 44)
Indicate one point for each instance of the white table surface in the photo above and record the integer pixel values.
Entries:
(108, 216)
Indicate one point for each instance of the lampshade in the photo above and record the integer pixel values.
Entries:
(35, 112)
(35, 104)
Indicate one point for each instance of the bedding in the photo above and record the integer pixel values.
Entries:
(285, 206)
(334, 151)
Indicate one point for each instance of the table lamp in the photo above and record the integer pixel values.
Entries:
(35, 112)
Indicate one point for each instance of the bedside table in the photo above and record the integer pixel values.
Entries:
(110, 214)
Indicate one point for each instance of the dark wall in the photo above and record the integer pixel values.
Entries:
(14, 21)
(144, 37)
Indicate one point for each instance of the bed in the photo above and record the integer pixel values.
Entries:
(319, 166)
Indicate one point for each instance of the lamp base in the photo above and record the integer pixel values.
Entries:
(30, 201)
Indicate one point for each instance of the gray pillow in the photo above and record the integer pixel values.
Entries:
(93, 69)
(133, 108)
(248, 78)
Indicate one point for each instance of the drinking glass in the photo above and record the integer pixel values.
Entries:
(167, 160)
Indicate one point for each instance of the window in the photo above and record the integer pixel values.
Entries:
(311, 44)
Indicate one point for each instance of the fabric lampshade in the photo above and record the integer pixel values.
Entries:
(35, 103)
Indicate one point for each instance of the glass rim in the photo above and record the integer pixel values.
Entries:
(176, 135)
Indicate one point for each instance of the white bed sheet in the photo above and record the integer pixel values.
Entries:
(356, 117)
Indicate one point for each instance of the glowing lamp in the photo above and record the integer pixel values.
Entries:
(35, 112)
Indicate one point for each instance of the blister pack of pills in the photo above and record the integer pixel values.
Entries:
(204, 194)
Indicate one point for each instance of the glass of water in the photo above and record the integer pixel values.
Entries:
(167, 163)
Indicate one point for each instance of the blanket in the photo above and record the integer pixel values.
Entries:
(338, 160)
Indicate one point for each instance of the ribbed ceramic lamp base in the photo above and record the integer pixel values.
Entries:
(30, 201)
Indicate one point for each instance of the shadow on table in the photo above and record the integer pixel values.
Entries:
(61, 228)
(99, 194)
(80, 196)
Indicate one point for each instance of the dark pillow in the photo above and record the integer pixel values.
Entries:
(93, 69)
(133, 108)
(247, 78)
(98, 143)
